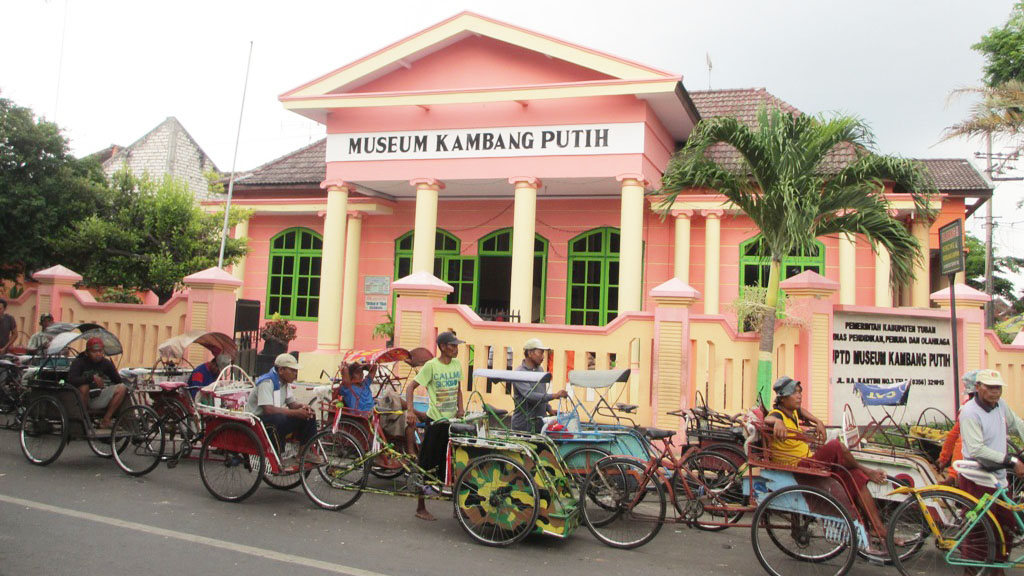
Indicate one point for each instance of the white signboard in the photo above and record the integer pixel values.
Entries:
(377, 303)
(566, 140)
(883, 349)
(376, 284)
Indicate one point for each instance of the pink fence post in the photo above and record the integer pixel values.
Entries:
(670, 364)
(811, 292)
(211, 301)
(970, 314)
(417, 296)
(52, 283)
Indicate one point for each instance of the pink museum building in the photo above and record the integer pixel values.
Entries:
(487, 173)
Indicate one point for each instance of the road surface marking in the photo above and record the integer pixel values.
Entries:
(213, 542)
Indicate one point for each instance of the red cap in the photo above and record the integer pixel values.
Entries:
(94, 343)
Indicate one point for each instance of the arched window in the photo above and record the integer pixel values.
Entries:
(593, 278)
(458, 271)
(495, 261)
(293, 289)
(755, 262)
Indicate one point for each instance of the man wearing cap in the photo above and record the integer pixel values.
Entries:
(92, 370)
(442, 377)
(531, 399)
(790, 449)
(952, 446)
(207, 372)
(40, 340)
(274, 402)
(984, 425)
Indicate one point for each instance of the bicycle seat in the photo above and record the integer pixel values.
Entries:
(461, 428)
(171, 386)
(628, 408)
(976, 473)
(658, 433)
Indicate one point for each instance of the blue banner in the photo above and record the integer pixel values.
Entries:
(883, 394)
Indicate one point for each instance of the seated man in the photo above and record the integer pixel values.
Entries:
(91, 370)
(39, 341)
(531, 400)
(207, 372)
(275, 404)
(787, 450)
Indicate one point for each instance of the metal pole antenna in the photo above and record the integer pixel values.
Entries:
(234, 160)
(989, 308)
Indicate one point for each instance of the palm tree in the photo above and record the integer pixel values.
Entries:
(1000, 112)
(798, 178)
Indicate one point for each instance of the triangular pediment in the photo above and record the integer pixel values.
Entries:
(475, 39)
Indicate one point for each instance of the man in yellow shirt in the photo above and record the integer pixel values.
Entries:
(789, 448)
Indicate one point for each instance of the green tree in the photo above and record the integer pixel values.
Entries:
(149, 236)
(789, 186)
(1003, 49)
(45, 190)
(999, 112)
(1001, 285)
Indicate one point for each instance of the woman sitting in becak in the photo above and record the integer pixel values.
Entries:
(789, 449)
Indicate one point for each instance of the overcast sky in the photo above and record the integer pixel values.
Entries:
(125, 66)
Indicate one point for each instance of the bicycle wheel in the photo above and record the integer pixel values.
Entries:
(716, 484)
(231, 462)
(624, 507)
(917, 550)
(281, 481)
(496, 500)
(180, 430)
(580, 461)
(139, 439)
(44, 430)
(338, 470)
(733, 452)
(810, 533)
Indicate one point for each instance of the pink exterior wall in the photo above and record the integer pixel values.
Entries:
(261, 229)
(479, 62)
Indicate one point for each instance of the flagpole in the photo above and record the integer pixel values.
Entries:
(234, 160)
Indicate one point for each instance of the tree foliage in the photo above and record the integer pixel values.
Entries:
(792, 186)
(1003, 49)
(45, 190)
(148, 236)
(1002, 286)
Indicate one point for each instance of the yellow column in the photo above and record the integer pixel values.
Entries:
(682, 248)
(238, 270)
(523, 231)
(847, 269)
(712, 258)
(631, 247)
(426, 224)
(883, 268)
(332, 264)
(920, 288)
(348, 307)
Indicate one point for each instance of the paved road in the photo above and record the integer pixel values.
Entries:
(81, 515)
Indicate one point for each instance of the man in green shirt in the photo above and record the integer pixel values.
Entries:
(442, 378)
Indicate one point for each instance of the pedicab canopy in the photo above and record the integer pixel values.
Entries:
(215, 342)
(111, 345)
(377, 355)
(895, 394)
(513, 376)
(598, 378)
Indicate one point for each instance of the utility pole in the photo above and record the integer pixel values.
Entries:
(992, 171)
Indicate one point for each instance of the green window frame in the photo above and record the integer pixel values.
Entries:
(446, 248)
(499, 243)
(755, 263)
(293, 274)
(592, 279)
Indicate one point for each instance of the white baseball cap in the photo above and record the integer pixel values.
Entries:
(534, 344)
(286, 360)
(989, 378)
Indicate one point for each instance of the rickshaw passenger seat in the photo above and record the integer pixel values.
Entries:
(460, 428)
